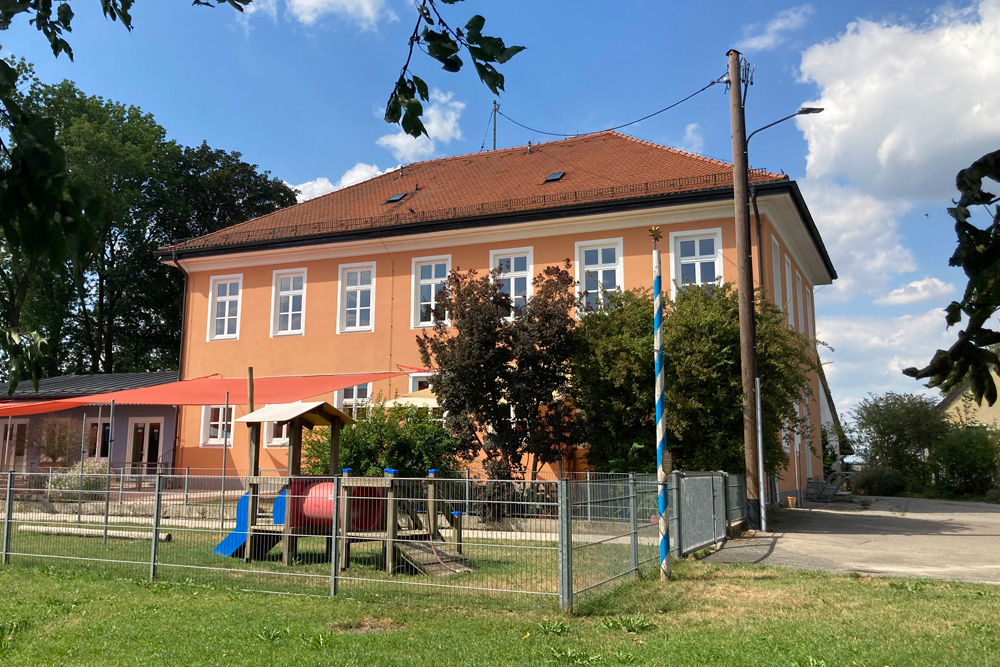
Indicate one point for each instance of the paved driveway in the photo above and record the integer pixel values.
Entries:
(891, 536)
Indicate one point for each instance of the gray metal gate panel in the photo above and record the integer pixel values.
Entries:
(702, 510)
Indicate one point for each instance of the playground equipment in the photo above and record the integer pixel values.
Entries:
(371, 509)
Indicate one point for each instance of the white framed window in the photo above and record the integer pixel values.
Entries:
(696, 258)
(789, 306)
(275, 434)
(430, 275)
(357, 298)
(808, 433)
(419, 381)
(351, 399)
(98, 437)
(810, 326)
(225, 294)
(798, 302)
(216, 425)
(514, 273)
(289, 307)
(776, 271)
(598, 269)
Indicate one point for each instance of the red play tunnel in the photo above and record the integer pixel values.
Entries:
(312, 505)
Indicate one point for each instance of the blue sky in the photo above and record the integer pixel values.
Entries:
(298, 87)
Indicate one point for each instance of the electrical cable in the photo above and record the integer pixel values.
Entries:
(487, 132)
(616, 127)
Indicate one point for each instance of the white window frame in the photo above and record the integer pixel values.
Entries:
(416, 377)
(776, 271)
(675, 253)
(213, 301)
(94, 421)
(582, 246)
(275, 299)
(270, 428)
(789, 306)
(342, 297)
(206, 415)
(798, 302)
(345, 404)
(528, 252)
(810, 325)
(415, 284)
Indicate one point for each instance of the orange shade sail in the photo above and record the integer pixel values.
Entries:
(208, 391)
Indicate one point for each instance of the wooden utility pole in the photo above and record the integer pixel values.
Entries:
(744, 286)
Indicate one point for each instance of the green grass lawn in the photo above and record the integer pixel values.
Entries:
(709, 615)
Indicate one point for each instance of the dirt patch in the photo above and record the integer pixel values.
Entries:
(367, 626)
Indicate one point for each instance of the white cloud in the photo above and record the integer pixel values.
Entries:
(918, 291)
(870, 352)
(906, 106)
(441, 118)
(266, 7)
(693, 141)
(759, 37)
(364, 12)
(314, 188)
(322, 185)
(862, 235)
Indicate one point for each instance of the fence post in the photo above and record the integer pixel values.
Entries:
(674, 483)
(156, 527)
(8, 520)
(456, 520)
(121, 484)
(589, 513)
(633, 512)
(468, 490)
(390, 521)
(187, 476)
(565, 546)
(725, 500)
(432, 519)
(338, 484)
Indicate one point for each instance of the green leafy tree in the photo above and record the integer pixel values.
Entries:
(502, 378)
(704, 396)
(898, 432)
(974, 354)
(613, 382)
(405, 438)
(964, 462)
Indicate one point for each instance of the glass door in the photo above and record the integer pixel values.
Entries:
(144, 444)
(15, 445)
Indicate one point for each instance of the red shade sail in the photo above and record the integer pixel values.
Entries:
(208, 391)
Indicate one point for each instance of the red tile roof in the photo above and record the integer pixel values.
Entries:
(602, 167)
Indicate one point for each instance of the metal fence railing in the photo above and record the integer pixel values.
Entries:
(365, 535)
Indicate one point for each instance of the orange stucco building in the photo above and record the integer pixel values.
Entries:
(345, 282)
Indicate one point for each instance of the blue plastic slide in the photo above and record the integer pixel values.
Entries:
(234, 543)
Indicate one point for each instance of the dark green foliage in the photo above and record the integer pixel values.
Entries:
(123, 313)
(965, 461)
(897, 432)
(440, 41)
(405, 438)
(704, 394)
(613, 382)
(501, 380)
(974, 355)
(879, 481)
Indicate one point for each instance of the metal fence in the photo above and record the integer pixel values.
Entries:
(363, 535)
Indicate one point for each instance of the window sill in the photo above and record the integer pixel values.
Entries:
(216, 445)
(285, 334)
(358, 330)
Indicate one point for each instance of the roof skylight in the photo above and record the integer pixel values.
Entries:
(395, 198)
(555, 176)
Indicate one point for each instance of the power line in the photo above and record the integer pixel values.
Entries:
(487, 132)
(616, 127)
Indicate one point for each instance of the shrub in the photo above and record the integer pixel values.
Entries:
(965, 462)
(992, 496)
(879, 482)
(74, 484)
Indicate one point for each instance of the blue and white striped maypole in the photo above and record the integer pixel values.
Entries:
(662, 458)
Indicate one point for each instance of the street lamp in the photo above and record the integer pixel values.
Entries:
(803, 111)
